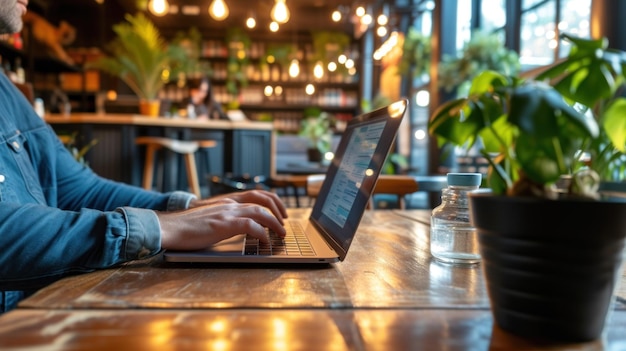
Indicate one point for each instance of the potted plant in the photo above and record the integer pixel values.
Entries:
(139, 56)
(192, 65)
(552, 244)
(484, 51)
(316, 128)
(416, 54)
(238, 43)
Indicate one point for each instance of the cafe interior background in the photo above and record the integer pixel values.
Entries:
(343, 57)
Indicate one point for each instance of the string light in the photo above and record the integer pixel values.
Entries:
(382, 20)
(251, 20)
(280, 12)
(318, 70)
(360, 11)
(294, 68)
(158, 7)
(381, 31)
(218, 10)
(309, 89)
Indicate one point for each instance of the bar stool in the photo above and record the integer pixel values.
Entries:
(187, 148)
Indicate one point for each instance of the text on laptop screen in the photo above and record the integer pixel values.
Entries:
(352, 171)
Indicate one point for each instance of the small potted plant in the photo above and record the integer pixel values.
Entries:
(316, 127)
(139, 56)
(552, 244)
(484, 51)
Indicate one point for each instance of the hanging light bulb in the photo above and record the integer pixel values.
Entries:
(280, 12)
(218, 10)
(251, 20)
(318, 70)
(158, 7)
(294, 68)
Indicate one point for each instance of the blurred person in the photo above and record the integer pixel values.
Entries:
(202, 104)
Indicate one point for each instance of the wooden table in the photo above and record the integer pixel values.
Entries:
(387, 295)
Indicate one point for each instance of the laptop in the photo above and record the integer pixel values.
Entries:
(326, 235)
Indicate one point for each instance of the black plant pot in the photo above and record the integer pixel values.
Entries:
(551, 267)
(314, 155)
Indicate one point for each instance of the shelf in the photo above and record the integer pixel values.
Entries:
(295, 84)
(293, 107)
(53, 65)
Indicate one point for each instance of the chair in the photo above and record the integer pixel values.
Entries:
(290, 184)
(187, 148)
(399, 185)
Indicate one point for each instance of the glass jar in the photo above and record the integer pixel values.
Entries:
(452, 238)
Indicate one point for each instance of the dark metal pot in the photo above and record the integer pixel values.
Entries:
(551, 266)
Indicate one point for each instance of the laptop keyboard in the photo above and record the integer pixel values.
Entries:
(295, 243)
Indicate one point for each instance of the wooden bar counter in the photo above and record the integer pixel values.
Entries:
(243, 147)
(388, 294)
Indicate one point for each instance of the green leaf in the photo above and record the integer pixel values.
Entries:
(138, 56)
(500, 134)
(541, 111)
(614, 123)
(449, 121)
(539, 159)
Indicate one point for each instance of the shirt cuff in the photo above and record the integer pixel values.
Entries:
(179, 200)
(144, 233)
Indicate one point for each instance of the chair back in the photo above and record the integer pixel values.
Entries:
(394, 184)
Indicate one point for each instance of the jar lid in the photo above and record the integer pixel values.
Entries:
(464, 179)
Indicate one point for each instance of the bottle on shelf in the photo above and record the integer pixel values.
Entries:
(20, 74)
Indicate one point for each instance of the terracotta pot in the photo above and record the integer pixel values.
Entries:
(551, 266)
(149, 107)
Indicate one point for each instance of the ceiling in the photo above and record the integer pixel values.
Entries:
(306, 15)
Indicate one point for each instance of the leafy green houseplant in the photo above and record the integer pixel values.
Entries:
(534, 133)
(316, 127)
(192, 65)
(484, 51)
(543, 230)
(416, 54)
(140, 57)
(327, 46)
(238, 43)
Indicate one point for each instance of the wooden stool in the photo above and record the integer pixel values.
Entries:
(187, 148)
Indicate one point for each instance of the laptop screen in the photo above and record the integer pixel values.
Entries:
(353, 173)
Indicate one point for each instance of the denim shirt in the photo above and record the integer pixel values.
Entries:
(57, 217)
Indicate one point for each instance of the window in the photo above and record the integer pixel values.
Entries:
(542, 21)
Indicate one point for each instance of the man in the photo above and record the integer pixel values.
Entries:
(58, 218)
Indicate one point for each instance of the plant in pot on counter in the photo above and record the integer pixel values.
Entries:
(316, 127)
(140, 56)
(551, 242)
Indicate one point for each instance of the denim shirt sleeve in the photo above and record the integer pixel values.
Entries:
(179, 200)
(143, 233)
(144, 230)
